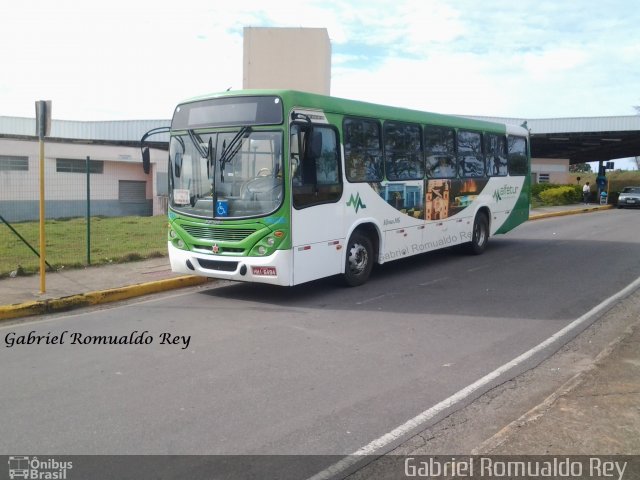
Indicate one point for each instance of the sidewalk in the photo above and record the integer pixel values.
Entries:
(560, 210)
(64, 290)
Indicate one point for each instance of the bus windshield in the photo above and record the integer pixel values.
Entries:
(241, 176)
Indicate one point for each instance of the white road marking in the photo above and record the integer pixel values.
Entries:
(431, 282)
(371, 299)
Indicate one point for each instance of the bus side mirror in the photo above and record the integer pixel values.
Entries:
(177, 164)
(313, 151)
(146, 160)
(146, 156)
(314, 145)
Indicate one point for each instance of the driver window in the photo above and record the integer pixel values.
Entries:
(315, 165)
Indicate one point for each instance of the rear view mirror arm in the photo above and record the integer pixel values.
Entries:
(144, 149)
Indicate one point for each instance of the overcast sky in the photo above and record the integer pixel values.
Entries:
(136, 59)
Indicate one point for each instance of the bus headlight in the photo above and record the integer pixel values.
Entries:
(268, 244)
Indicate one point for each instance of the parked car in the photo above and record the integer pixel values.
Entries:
(629, 197)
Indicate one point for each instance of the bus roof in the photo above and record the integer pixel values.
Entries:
(343, 106)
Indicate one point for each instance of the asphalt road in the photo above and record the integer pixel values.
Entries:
(315, 369)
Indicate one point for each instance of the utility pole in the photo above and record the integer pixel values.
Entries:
(43, 129)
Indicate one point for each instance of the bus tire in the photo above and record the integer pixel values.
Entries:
(479, 234)
(359, 260)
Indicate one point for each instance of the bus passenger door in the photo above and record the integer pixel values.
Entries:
(317, 214)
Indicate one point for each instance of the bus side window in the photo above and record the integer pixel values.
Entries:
(496, 154)
(363, 150)
(312, 152)
(470, 157)
(295, 142)
(403, 151)
(440, 149)
(315, 173)
(518, 164)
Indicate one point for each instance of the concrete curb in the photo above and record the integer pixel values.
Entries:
(52, 305)
(570, 212)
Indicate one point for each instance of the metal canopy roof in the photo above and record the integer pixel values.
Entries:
(581, 147)
(586, 139)
(120, 132)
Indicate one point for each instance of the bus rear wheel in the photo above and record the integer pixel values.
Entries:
(479, 235)
(359, 260)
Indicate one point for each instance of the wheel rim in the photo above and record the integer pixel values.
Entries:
(358, 259)
(481, 234)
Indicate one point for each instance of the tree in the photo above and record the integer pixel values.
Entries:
(580, 167)
(637, 159)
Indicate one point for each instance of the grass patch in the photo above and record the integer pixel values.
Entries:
(113, 240)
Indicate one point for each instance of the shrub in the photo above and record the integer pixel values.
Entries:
(561, 195)
(538, 188)
(554, 194)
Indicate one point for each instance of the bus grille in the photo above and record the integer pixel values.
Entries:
(218, 265)
(218, 234)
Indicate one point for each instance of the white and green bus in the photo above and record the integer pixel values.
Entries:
(285, 187)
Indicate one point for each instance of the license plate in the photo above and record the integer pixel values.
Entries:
(264, 271)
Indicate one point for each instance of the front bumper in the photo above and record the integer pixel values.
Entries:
(242, 269)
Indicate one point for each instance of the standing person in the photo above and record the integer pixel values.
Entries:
(586, 190)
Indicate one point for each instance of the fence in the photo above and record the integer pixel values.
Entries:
(97, 212)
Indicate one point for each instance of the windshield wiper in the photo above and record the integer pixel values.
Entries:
(196, 142)
(230, 151)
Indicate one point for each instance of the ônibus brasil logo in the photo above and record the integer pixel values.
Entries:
(356, 202)
(504, 191)
(22, 466)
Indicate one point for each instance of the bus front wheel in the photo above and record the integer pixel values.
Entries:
(359, 260)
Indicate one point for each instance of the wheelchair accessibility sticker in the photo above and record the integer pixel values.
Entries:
(222, 208)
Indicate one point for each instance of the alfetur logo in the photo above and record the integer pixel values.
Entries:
(504, 191)
(356, 202)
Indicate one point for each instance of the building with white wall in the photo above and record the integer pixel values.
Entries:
(117, 185)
